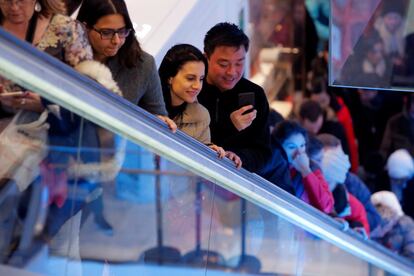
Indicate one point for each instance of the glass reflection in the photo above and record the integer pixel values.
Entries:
(128, 211)
(370, 44)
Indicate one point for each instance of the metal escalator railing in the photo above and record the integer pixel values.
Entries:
(28, 67)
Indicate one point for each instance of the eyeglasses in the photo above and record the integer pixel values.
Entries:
(17, 2)
(110, 33)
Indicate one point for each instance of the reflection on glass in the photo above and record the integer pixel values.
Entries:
(284, 41)
(371, 44)
(114, 208)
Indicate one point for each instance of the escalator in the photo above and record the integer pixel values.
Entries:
(172, 207)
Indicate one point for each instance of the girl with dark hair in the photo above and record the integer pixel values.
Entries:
(182, 72)
(307, 180)
(113, 40)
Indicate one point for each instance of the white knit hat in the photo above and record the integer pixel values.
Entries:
(400, 164)
(388, 199)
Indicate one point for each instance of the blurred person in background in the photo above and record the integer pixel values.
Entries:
(311, 117)
(335, 166)
(307, 179)
(391, 28)
(399, 132)
(396, 231)
(400, 169)
(335, 109)
(376, 107)
(368, 66)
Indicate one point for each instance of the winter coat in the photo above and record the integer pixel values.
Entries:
(358, 189)
(195, 121)
(313, 189)
(276, 169)
(252, 144)
(358, 213)
(141, 84)
(345, 119)
(395, 232)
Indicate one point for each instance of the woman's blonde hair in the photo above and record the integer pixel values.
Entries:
(50, 7)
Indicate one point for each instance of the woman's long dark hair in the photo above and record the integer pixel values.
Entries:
(173, 61)
(92, 10)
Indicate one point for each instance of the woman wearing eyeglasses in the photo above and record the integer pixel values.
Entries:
(113, 40)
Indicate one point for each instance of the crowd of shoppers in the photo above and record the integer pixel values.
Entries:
(206, 96)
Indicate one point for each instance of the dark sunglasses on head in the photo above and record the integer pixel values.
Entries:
(110, 33)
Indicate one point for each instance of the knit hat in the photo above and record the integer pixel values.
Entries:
(400, 165)
(335, 165)
(388, 199)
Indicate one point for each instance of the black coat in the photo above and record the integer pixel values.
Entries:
(251, 144)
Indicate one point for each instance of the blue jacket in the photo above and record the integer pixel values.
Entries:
(357, 188)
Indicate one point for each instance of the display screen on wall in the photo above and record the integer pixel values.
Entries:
(372, 44)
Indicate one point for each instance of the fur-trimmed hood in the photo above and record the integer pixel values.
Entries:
(100, 73)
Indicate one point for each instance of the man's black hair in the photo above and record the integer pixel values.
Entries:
(310, 110)
(225, 34)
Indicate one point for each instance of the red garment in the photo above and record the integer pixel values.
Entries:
(56, 183)
(316, 191)
(345, 119)
(358, 212)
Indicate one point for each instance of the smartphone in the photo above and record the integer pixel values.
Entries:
(246, 98)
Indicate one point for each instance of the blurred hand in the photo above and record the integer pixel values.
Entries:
(235, 158)
(32, 101)
(26, 101)
(362, 231)
(241, 121)
(220, 151)
(170, 123)
(301, 163)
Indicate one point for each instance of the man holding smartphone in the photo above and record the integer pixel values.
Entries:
(238, 108)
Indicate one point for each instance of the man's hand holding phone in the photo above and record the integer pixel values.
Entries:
(242, 120)
(244, 116)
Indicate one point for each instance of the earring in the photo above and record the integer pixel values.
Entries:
(38, 7)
